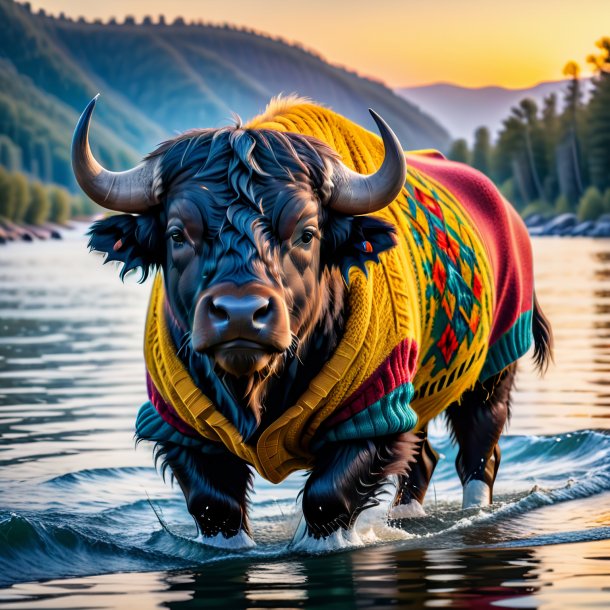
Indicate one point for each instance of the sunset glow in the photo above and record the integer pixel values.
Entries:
(403, 42)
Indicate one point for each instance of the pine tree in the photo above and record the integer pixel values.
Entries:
(550, 126)
(598, 119)
(481, 154)
(508, 146)
(527, 112)
(569, 148)
(459, 151)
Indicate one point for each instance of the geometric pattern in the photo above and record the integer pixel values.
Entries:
(453, 275)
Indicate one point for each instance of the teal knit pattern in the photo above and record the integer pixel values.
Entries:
(509, 347)
(389, 415)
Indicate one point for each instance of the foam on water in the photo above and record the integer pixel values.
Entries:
(239, 542)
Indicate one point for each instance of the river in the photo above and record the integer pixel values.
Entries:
(77, 525)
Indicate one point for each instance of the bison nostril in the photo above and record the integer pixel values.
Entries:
(262, 313)
(218, 313)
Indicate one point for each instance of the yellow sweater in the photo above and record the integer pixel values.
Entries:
(442, 338)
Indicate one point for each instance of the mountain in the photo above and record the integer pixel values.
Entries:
(159, 79)
(462, 110)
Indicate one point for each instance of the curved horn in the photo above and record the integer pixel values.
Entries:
(355, 193)
(129, 191)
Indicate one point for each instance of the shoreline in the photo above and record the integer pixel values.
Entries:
(17, 232)
(567, 225)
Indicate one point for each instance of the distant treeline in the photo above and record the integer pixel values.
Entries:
(548, 161)
(31, 202)
(157, 79)
(161, 21)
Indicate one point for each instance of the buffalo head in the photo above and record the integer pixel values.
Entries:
(252, 229)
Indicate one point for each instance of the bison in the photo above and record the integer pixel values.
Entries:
(319, 297)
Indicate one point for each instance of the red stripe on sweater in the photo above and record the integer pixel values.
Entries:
(396, 370)
(166, 411)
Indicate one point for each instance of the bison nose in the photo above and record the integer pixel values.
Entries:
(242, 313)
(235, 317)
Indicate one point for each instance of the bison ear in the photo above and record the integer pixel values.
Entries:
(134, 241)
(358, 239)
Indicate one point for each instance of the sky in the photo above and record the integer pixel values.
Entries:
(473, 43)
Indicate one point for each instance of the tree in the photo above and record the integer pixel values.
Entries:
(481, 153)
(59, 200)
(527, 112)
(569, 149)
(591, 205)
(6, 194)
(459, 151)
(562, 205)
(44, 160)
(21, 194)
(550, 127)
(598, 119)
(508, 146)
(518, 151)
(38, 208)
(10, 154)
(9, 118)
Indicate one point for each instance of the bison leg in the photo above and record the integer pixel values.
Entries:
(215, 488)
(347, 478)
(411, 488)
(215, 485)
(477, 422)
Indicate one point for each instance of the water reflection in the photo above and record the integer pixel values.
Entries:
(278, 582)
(573, 286)
(73, 490)
(414, 578)
(549, 577)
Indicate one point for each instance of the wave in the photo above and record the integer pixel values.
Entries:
(538, 473)
(35, 548)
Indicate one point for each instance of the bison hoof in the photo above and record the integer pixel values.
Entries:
(410, 510)
(217, 519)
(476, 494)
(239, 541)
(304, 541)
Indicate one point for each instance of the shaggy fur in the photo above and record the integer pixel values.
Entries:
(239, 217)
(477, 423)
(348, 478)
(543, 338)
(216, 487)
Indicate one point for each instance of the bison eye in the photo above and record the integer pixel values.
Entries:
(307, 236)
(177, 236)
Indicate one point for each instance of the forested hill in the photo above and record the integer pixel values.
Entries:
(157, 79)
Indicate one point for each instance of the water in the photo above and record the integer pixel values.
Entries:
(76, 524)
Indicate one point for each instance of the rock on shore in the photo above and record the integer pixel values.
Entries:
(568, 225)
(10, 231)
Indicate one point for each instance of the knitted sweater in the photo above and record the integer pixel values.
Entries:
(449, 305)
